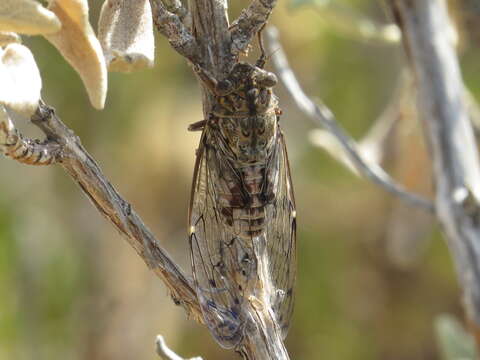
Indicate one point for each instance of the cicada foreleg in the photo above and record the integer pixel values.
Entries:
(263, 55)
(216, 87)
(265, 78)
(197, 126)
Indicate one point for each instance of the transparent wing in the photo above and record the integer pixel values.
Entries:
(281, 235)
(214, 252)
(225, 264)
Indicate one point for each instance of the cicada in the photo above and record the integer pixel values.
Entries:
(242, 212)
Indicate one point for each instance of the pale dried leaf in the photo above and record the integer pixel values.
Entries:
(125, 30)
(27, 17)
(78, 44)
(20, 81)
(8, 38)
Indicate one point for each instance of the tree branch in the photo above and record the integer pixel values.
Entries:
(426, 37)
(210, 26)
(171, 26)
(376, 143)
(250, 21)
(83, 169)
(325, 118)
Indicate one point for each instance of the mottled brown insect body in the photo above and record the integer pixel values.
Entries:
(242, 217)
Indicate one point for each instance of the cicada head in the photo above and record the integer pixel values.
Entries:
(245, 76)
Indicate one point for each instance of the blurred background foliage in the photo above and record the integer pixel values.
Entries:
(372, 273)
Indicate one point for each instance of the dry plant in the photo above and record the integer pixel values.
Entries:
(201, 32)
(447, 112)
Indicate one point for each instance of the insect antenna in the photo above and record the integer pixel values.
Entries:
(263, 57)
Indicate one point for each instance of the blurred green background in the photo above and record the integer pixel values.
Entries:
(372, 273)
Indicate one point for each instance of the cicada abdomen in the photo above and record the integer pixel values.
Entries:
(242, 211)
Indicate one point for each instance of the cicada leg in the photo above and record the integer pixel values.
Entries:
(218, 88)
(263, 55)
(197, 126)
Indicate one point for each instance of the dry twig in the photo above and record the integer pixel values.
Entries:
(73, 157)
(325, 118)
(250, 21)
(170, 25)
(375, 146)
(426, 32)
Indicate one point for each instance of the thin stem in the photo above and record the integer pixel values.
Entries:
(250, 21)
(322, 116)
(179, 36)
(376, 144)
(210, 26)
(87, 174)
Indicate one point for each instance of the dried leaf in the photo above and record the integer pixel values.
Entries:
(20, 81)
(8, 38)
(27, 17)
(78, 44)
(125, 30)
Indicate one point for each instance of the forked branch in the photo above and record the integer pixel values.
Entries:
(322, 116)
(250, 21)
(170, 25)
(375, 145)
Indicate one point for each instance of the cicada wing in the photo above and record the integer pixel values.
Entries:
(213, 254)
(281, 235)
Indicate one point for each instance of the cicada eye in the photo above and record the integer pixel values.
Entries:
(224, 87)
(267, 80)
